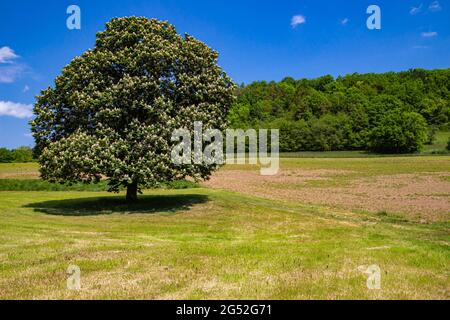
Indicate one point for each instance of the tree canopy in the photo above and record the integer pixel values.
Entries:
(112, 110)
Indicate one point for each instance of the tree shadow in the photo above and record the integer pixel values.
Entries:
(109, 205)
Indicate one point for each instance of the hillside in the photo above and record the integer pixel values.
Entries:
(349, 112)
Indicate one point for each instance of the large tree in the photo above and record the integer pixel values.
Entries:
(398, 132)
(112, 111)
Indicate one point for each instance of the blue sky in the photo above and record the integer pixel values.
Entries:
(257, 40)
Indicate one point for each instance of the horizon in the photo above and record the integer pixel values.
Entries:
(256, 42)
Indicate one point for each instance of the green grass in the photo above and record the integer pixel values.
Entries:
(374, 166)
(437, 148)
(439, 145)
(197, 243)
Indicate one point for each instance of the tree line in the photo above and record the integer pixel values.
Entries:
(21, 154)
(394, 112)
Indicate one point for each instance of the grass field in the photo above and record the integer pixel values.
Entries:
(238, 236)
(440, 143)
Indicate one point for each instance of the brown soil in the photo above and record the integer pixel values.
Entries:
(421, 196)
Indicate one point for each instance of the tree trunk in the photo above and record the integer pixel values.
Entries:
(132, 192)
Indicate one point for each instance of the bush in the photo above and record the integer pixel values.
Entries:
(41, 185)
(398, 132)
(448, 144)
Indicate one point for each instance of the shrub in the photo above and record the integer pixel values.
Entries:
(41, 185)
(398, 132)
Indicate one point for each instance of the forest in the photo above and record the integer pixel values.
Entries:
(394, 112)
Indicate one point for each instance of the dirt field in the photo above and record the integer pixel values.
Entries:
(422, 195)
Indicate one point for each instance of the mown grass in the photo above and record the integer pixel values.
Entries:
(205, 244)
(198, 243)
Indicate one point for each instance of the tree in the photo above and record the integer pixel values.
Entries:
(5, 155)
(329, 133)
(398, 132)
(112, 111)
(22, 154)
(448, 144)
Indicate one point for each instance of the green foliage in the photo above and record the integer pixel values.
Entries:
(330, 133)
(22, 154)
(294, 135)
(310, 113)
(5, 155)
(19, 155)
(112, 110)
(431, 135)
(399, 132)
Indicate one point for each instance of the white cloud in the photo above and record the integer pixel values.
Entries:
(10, 73)
(421, 47)
(415, 10)
(18, 110)
(26, 88)
(435, 6)
(297, 19)
(7, 55)
(344, 21)
(430, 34)
(11, 70)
